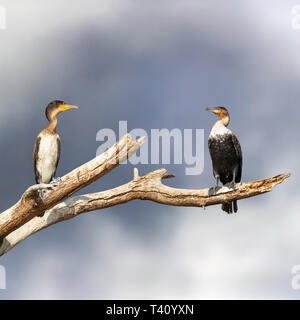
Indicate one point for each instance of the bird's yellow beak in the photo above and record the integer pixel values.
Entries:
(214, 110)
(65, 107)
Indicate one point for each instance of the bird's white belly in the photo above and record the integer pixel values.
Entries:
(47, 157)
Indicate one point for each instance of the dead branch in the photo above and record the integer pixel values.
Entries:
(33, 202)
(148, 187)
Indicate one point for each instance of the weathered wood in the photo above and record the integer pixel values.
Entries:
(33, 202)
(148, 187)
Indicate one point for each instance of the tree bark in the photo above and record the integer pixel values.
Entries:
(148, 187)
(41, 197)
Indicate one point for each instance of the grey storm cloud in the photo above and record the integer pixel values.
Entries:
(156, 65)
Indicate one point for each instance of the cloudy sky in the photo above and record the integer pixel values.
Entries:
(155, 64)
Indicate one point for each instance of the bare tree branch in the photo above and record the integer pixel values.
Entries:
(148, 187)
(34, 202)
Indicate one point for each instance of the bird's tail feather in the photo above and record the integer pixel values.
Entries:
(227, 206)
(235, 206)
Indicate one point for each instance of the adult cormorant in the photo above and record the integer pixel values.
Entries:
(47, 145)
(226, 154)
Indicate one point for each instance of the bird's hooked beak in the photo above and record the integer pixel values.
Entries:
(216, 111)
(65, 107)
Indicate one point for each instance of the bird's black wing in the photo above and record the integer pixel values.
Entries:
(209, 143)
(58, 154)
(35, 158)
(238, 152)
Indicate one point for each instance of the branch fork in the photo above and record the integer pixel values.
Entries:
(20, 221)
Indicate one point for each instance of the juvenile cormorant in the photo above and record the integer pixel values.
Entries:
(226, 154)
(47, 145)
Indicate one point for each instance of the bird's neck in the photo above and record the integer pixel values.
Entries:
(224, 121)
(51, 126)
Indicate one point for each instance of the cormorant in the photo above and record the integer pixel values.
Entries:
(226, 154)
(47, 145)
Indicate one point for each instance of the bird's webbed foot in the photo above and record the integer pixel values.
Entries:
(214, 190)
(55, 180)
(231, 185)
(43, 192)
(43, 189)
